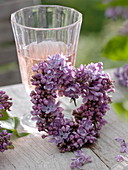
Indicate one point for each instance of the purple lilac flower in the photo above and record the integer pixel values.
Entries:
(119, 158)
(123, 144)
(5, 142)
(56, 77)
(80, 160)
(5, 103)
(122, 75)
(117, 12)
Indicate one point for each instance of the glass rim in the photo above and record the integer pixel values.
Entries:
(46, 29)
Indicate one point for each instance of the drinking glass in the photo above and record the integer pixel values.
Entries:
(40, 31)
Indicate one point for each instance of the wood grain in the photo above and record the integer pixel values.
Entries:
(10, 77)
(8, 55)
(6, 34)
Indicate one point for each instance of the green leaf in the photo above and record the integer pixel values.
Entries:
(17, 122)
(23, 134)
(5, 115)
(102, 6)
(120, 109)
(116, 48)
(16, 135)
(123, 3)
(2, 129)
(119, 3)
(10, 147)
(9, 123)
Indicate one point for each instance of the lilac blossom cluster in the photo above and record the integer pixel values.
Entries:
(5, 103)
(54, 78)
(122, 75)
(5, 142)
(80, 160)
(117, 12)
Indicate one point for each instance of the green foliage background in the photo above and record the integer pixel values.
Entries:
(93, 18)
(96, 31)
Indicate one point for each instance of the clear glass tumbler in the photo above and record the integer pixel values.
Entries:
(40, 31)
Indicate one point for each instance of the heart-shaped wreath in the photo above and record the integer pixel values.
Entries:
(56, 77)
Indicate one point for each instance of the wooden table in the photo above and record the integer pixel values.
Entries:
(33, 153)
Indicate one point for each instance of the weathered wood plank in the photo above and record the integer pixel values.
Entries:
(33, 153)
(5, 24)
(10, 77)
(6, 34)
(7, 55)
(11, 6)
(6, 8)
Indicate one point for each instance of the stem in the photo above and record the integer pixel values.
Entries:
(74, 100)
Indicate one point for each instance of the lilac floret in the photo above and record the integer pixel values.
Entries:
(5, 103)
(80, 160)
(119, 158)
(122, 75)
(5, 142)
(56, 77)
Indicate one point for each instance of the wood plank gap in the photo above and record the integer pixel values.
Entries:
(10, 162)
(100, 158)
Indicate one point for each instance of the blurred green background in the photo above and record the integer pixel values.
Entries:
(96, 31)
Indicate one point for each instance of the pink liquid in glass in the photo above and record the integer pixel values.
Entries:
(34, 53)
